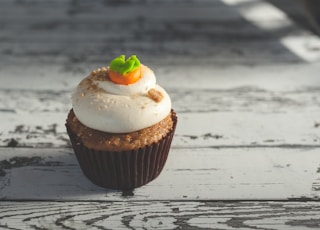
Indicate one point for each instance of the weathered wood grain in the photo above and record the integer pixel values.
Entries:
(72, 33)
(243, 78)
(221, 129)
(159, 215)
(52, 77)
(242, 116)
(204, 100)
(190, 174)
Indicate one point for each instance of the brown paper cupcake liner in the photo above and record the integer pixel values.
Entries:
(126, 169)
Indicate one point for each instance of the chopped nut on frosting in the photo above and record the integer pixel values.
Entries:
(155, 95)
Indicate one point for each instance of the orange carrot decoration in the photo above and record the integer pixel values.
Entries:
(123, 71)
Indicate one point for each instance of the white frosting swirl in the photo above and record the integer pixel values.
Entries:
(103, 105)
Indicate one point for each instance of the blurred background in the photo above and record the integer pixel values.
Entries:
(71, 33)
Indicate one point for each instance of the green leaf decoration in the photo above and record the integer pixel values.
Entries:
(123, 66)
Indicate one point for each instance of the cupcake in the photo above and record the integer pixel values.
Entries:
(121, 125)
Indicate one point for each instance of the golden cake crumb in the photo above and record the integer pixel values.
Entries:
(118, 142)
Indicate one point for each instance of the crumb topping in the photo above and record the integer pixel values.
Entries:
(100, 74)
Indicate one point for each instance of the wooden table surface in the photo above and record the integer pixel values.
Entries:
(244, 81)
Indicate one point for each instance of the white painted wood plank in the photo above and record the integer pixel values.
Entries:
(215, 129)
(159, 215)
(209, 75)
(109, 12)
(83, 33)
(258, 108)
(243, 98)
(268, 113)
(190, 174)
